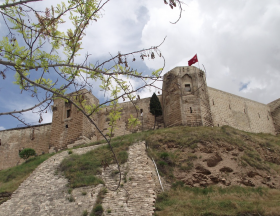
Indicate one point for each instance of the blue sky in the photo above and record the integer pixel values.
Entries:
(236, 40)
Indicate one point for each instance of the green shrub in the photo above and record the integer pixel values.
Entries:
(85, 213)
(26, 153)
(70, 152)
(84, 193)
(162, 163)
(164, 155)
(98, 210)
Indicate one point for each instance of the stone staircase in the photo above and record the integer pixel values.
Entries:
(45, 192)
(137, 195)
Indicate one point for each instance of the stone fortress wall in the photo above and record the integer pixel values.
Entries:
(186, 100)
(143, 114)
(14, 140)
(275, 113)
(68, 123)
(240, 113)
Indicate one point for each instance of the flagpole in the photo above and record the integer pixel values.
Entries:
(198, 63)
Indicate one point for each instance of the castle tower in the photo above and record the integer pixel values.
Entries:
(185, 98)
(68, 123)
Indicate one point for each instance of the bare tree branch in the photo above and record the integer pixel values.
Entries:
(25, 110)
(17, 3)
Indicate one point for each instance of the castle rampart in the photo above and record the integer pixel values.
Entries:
(239, 112)
(140, 106)
(275, 113)
(186, 100)
(14, 140)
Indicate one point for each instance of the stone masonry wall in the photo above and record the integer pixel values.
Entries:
(275, 112)
(65, 130)
(171, 99)
(127, 109)
(13, 140)
(68, 123)
(192, 98)
(89, 129)
(240, 113)
(185, 100)
(184, 97)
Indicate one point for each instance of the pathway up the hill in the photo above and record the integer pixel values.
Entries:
(137, 195)
(45, 193)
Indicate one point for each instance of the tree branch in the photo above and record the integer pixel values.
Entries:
(78, 67)
(17, 3)
(25, 110)
(84, 113)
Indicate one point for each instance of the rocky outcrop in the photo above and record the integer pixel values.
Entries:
(214, 160)
(226, 169)
(201, 169)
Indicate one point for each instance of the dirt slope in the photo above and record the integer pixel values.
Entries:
(224, 156)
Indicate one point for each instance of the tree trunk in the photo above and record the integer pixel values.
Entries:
(155, 122)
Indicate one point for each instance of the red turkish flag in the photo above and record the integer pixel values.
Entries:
(193, 60)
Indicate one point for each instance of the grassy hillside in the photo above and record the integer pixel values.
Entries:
(211, 171)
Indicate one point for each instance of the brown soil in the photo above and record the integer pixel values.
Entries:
(222, 164)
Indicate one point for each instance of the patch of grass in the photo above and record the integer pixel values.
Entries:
(81, 170)
(164, 155)
(122, 157)
(85, 213)
(11, 178)
(125, 177)
(90, 144)
(253, 159)
(71, 198)
(217, 201)
(84, 193)
(98, 209)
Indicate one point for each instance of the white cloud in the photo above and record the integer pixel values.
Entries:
(237, 41)
(2, 128)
